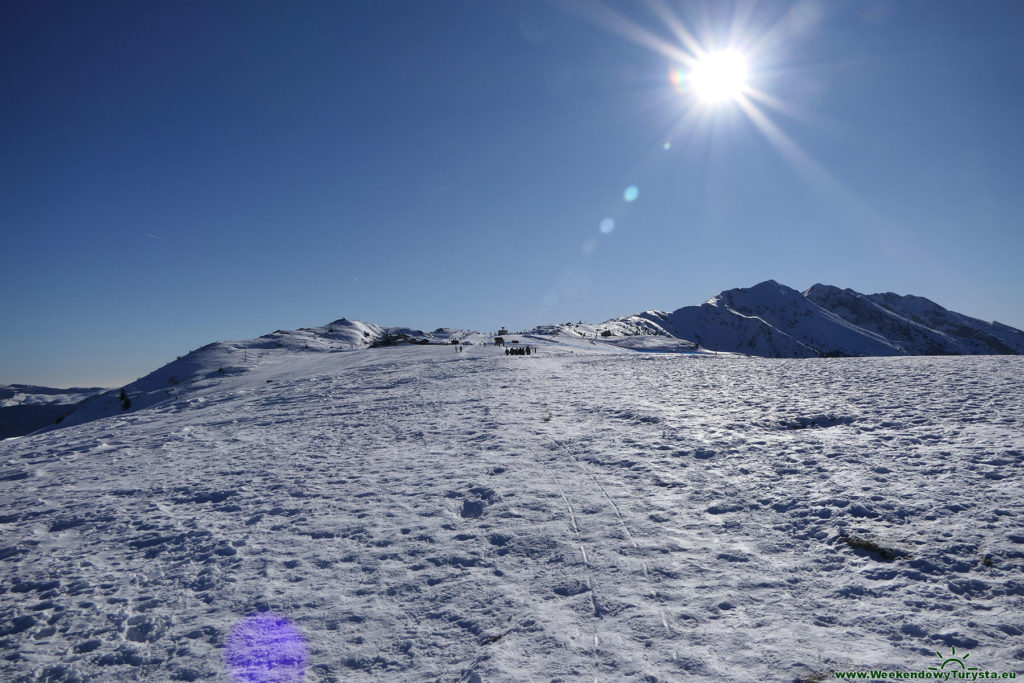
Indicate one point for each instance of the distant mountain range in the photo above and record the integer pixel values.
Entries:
(773, 320)
(25, 408)
(769, 319)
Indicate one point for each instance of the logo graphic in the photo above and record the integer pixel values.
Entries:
(953, 668)
(953, 661)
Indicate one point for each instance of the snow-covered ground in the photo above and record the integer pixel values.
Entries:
(585, 513)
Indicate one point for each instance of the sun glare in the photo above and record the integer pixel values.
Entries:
(712, 85)
(719, 77)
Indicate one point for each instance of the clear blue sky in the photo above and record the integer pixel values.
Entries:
(178, 173)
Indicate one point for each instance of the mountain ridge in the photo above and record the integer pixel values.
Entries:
(773, 320)
(768, 319)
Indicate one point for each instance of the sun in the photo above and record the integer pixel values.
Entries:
(719, 77)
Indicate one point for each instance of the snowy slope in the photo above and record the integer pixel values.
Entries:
(634, 333)
(916, 325)
(581, 514)
(790, 312)
(773, 320)
(976, 335)
(909, 335)
(207, 366)
(718, 327)
(25, 408)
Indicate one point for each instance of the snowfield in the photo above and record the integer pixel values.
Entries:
(589, 513)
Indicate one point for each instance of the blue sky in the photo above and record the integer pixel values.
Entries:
(178, 173)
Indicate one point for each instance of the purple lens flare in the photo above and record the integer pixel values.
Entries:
(266, 648)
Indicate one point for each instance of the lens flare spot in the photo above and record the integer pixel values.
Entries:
(631, 193)
(677, 77)
(607, 225)
(667, 146)
(266, 648)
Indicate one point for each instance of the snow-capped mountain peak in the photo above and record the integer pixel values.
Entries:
(772, 319)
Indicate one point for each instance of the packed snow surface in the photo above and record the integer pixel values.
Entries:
(586, 513)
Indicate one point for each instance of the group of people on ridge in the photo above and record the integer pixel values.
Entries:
(519, 351)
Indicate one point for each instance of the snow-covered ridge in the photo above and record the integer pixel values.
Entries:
(768, 319)
(209, 364)
(773, 320)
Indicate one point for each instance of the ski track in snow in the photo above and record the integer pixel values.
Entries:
(419, 516)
